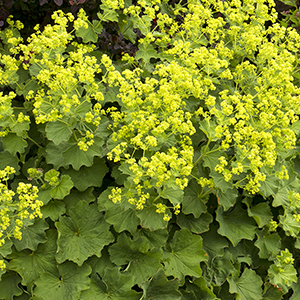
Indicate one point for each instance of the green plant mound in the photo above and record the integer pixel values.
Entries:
(172, 173)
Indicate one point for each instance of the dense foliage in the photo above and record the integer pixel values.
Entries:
(156, 157)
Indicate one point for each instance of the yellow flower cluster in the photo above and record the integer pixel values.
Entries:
(152, 118)
(16, 206)
(253, 118)
(67, 84)
(9, 119)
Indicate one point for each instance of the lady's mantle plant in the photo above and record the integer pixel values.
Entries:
(175, 170)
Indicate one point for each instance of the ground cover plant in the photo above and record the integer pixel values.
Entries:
(162, 164)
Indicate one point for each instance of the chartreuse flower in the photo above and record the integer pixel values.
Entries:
(248, 122)
(67, 94)
(16, 206)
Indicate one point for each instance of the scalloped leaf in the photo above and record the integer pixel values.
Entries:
(114, 286)
(77, 158)
(199, 287)
(159, 287)
(88, 176)
(32, 235)
(30, 265)
(213, 243)
(7, 159)
(183, 255)
(58, 132)
(196, 225)
(143, 261)
(63, 188)
(121, 216)
(89, 34)
(9, 285)
(83, 234)
(269, 244)
(13, 143)
(174, 195)
(193, 201)
(227, 199)
(68, 153)
(282, 276)
(247, 287)
(235, 225)
(54, 209)
(68, 285)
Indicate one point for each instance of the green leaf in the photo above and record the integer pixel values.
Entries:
(213, 243)
(75, 197)
(193, 201)
(150, 218)
(77, 158)
(88, 34)
(199, 287)
(174, 195)
(122, 217)
(114, 286)
(159, 287)
(282, 195)
(63, 188)
(261, 212)
(9, 286)
(220, 182)
(235, 225)
(224, 294)
(156, 238)
(30, 265)
(273, 293)
(54, 154)
(35, 69)
(183, 255)
(68, 153)
(290, 224)
(32, 235)
(97, 26)
(227, 199)
(99, 265)
(222, 268)
(68, 285)
(97, 290)
(282, 276)
(143, 261)
(7, 159)
(268, 243)
(269, 186)
(58, 132)
(24, 87)
(20, 128)
(6, 248)
(44, 196)
(146, 52)
(187, 295)
(54, 209)
(109, 14)
(208, 127)
(296, 291)
(247, 287)
(126, 28)
(88, 176)
(13, 143)
(289, 2)
(83, 234)
(196, 225)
